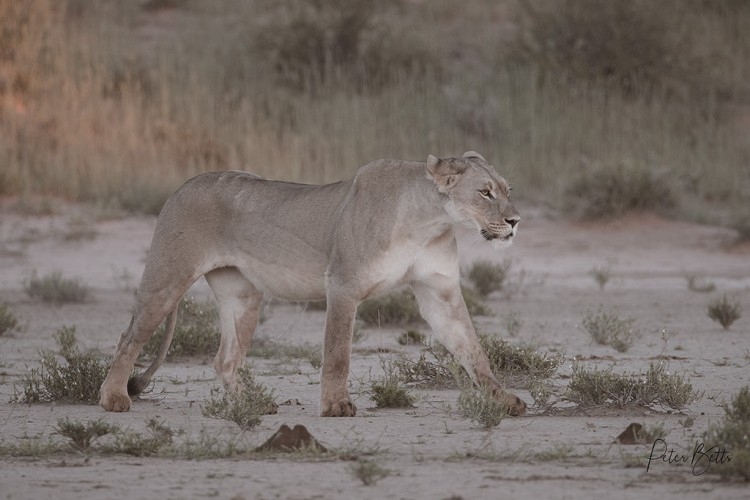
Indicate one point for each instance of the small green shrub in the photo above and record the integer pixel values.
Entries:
(8, 321)
(487, 276)
(480, 406)
(733, 436)
(606, 328)
(474, 303)
(695, 285)
(55, 289)
(441, 370)
(513, 323)
(725, 310)
(196, 331)
(411, 337)
(604, 388)
(399, 308)
(244, 407)
(77, 380)
(368, 471)
(601, 275)
(612, 191)
(82, 436)
(138, 445)
(387, 391)
(518, 366)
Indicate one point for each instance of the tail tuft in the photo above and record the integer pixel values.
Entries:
(136, 385)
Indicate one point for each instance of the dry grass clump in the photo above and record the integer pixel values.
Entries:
(486, 276)
(398, 308)
(8, 320)
(76, 380)
(339, 42)
(696, 285)
(733, 436)
(482, 407)
(81, 435)
(138, 445)
(285, 352)
(519, 366)
(725, 310)
(435, 368)
(601, 275)
(368, 471)
(412, 337)
(196, 331)
(388, 391)
(55, 289)
(607, 328)
(613, 191)
(604, 388)
(244, 407)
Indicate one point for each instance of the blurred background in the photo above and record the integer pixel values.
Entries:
(593, 107)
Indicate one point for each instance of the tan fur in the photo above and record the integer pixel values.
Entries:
(391, 225)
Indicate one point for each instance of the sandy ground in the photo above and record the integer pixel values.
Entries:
(429, 450)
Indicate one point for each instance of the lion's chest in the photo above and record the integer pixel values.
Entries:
(391, 269)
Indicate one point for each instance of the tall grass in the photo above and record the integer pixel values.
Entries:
(112, 103)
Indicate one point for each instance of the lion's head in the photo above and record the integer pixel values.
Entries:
(477, 195)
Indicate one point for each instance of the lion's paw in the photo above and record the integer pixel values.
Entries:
(340, 408)
(115, 402)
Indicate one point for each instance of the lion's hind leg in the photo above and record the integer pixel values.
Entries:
(239, 308)
(151, 309)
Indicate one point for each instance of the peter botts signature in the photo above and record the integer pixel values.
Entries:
(700, 461)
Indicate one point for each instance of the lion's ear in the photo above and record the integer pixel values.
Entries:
(474, 154)
(444, 173)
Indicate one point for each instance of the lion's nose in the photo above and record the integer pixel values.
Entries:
(512, 221)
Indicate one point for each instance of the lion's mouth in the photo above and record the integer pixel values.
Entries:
(490, 236)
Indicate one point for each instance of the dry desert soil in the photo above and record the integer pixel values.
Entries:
(428, 450)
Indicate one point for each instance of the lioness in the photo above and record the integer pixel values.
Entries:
(344, 242)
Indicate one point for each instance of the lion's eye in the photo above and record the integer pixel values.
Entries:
(486, 193)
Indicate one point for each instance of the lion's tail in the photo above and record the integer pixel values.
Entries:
(137, 383)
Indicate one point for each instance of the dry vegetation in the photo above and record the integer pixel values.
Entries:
(593, 102)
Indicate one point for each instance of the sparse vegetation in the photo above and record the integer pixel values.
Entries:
(696, 285)
(480, 406)
(474, 303)
(412, 337)
(518, 366)
(368, 471)
(487, 276)
(601, 275)
(613, 191)
(138, 445)
(77, 380)
(196, 331)
(81, 435)
(55, 289)
(605, 388)
(607, 328)
(398, 308)
(8, 320)
(244, 407)
(439, 371)
(301, 71)
(725, 310)
(732, 435)
(513, 323)
(387, 391)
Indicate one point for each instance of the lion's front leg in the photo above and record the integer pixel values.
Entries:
(443, 307)
(334, 375)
